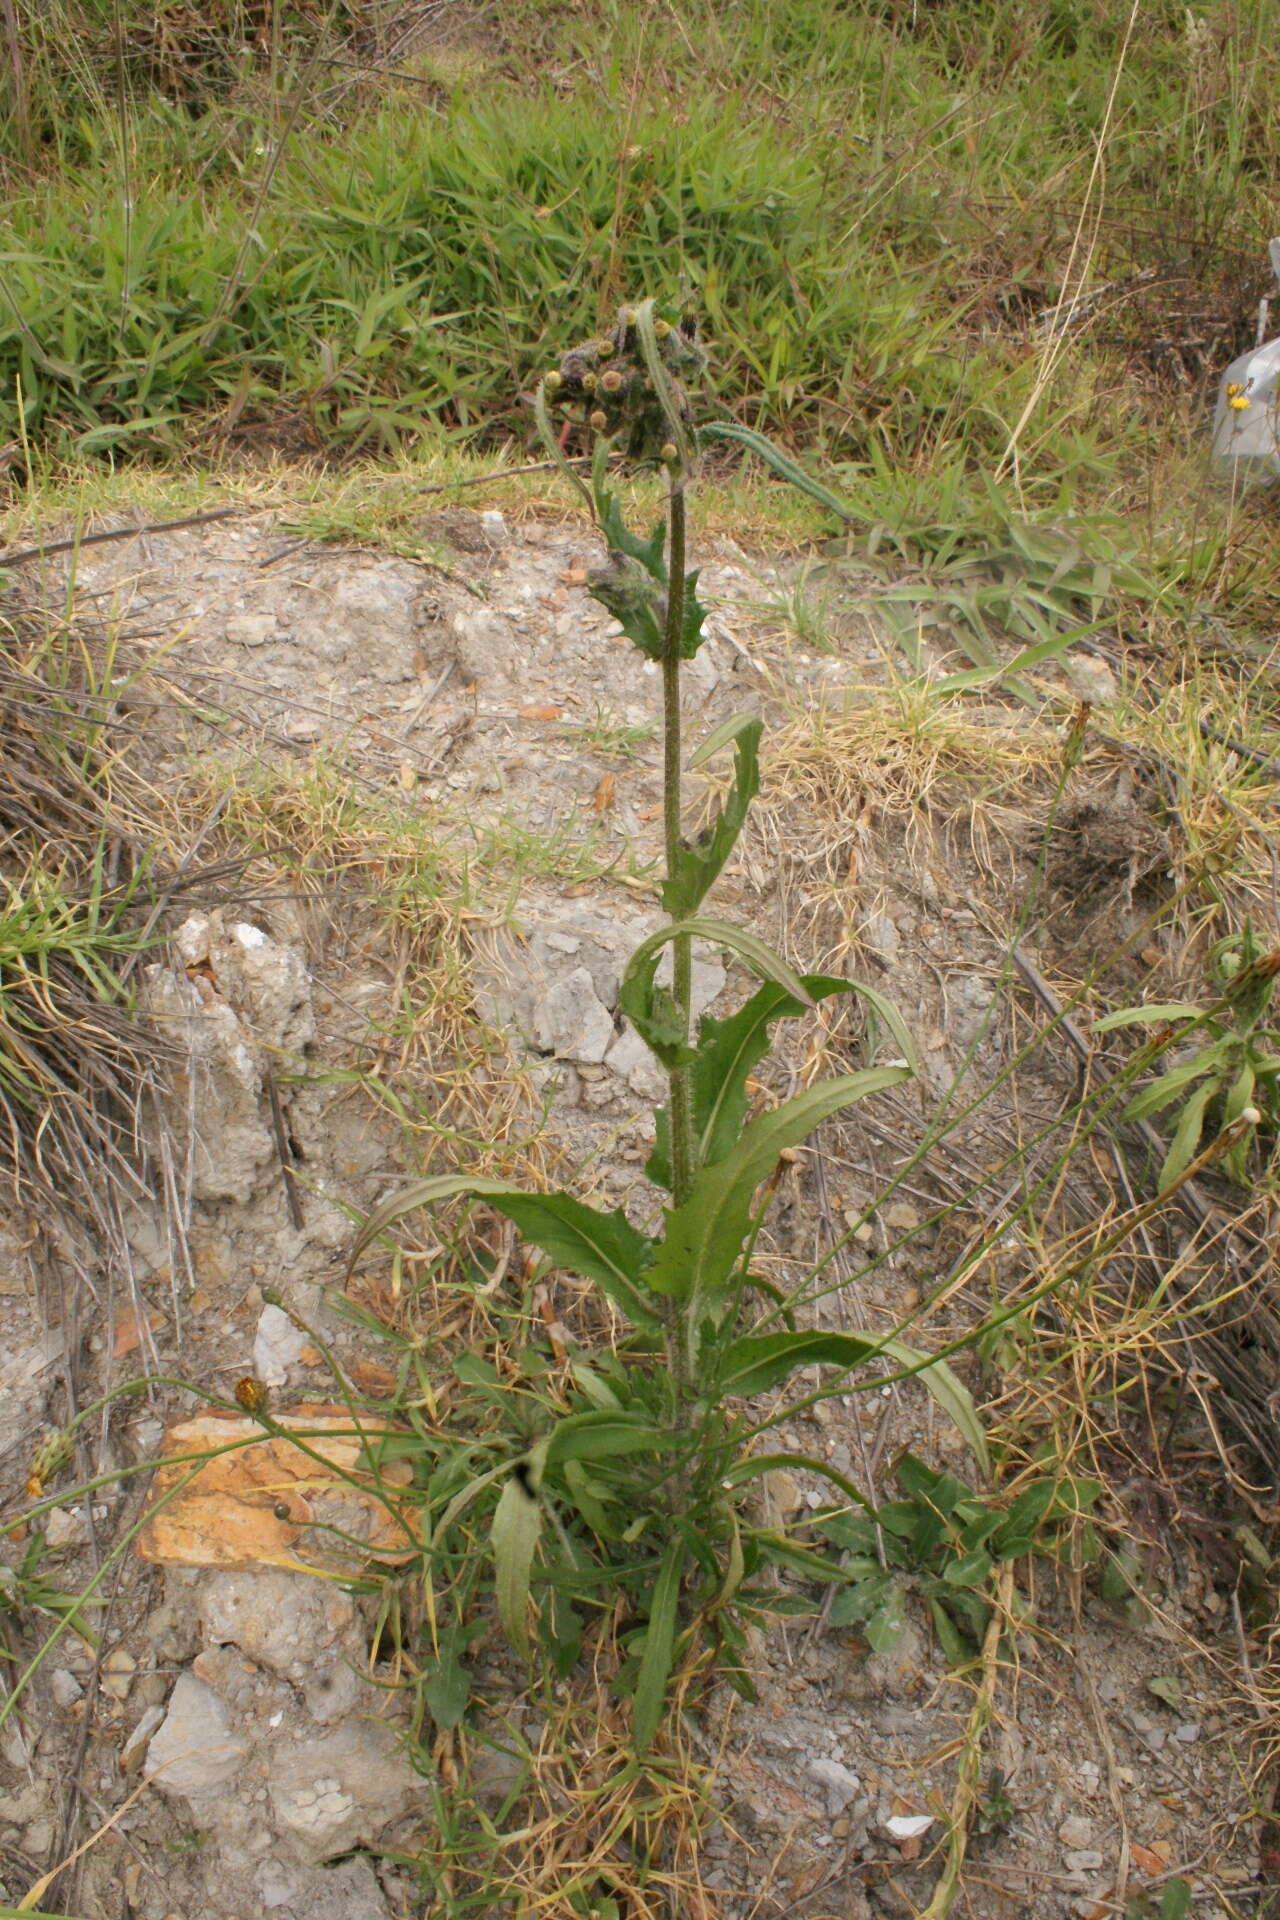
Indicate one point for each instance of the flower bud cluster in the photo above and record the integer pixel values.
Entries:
(609, 378)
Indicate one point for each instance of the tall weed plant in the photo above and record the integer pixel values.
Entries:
(623, 1482)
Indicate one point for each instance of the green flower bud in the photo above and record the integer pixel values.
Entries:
(553, 381)
(588, 383)
(670, 453)
(662, 328)
(599, 420)
(611, 382)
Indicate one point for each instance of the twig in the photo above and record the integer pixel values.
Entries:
(124, 533)
(966, 1792)
(282, 1149)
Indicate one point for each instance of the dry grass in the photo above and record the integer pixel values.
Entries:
(79, 1070)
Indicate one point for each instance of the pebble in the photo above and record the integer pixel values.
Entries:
(65, 1688)
(1188, 1732)
(65, 1527)
(118, 1670)
(1083, 1860)
(1076, 1831)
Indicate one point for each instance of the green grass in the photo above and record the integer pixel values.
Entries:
(870, 212)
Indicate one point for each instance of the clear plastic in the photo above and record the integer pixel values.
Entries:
(1246, 422)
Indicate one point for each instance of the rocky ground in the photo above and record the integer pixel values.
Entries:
(235, 1743)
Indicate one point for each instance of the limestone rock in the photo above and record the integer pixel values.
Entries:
(330, 1794)
(195, 1748)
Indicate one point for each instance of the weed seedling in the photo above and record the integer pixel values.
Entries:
(615, 1483)
(1232, 1078)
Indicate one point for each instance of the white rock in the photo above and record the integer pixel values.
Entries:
(195, 1747)
(277, 1346)
(908, 1826)
(331, 1793)
(841, 1785)
(570, 1021)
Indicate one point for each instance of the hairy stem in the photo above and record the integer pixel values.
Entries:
(681, 1107)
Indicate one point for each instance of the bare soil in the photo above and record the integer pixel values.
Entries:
(489, 692)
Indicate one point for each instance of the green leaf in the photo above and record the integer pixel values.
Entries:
(757, 1362)
(659, 1647)
(1164, 1091)
(1186, 1139)
(727, 1053)
(447, 1689)
(1167, 1688)
(1032, 656)
(517, 1522)
(888, 1623)
(651, 1009)
(781, 463)
(1176, 1904)
(604, 1247)
(602, 1435)
(1146, 1016)
(696, 867)
(953, 1643)
(950, 1393)
(1018, 1530)
(704, 1238)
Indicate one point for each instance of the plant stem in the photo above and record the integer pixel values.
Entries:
(680, 1105)
(682, 949)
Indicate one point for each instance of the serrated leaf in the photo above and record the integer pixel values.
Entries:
(604, 1247)
(659, 1647)
(704, 1237)
(696, 867)
(517, 1522)
(1164, 1091)
(728, 1051)
(781, 463)
(649, 1007)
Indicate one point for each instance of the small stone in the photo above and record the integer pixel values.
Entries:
(251, 629)
(1188, 1732)
(841, 1785)
(65, 1688)
(494, 527)
(1076, 1831)
(131, 1753)
(65, 1527)
(118, 1669)
(1082, 1860)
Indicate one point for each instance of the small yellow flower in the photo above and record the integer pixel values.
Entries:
(1237, 398)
